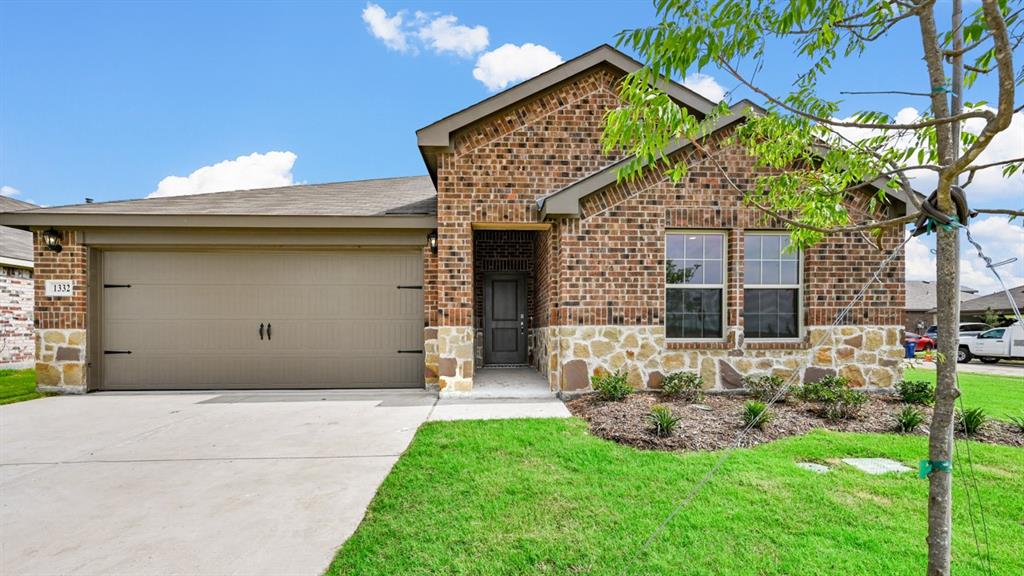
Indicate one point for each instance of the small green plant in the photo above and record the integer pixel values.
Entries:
(971, 420)
(687, 386)
(908, 419)
(1018, 421)
(756, 414)
(917, 392)
(611, 387)
(838, 401)
(663, 421)
(765, 387)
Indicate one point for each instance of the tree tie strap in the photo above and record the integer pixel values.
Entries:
(932, 218)
(929, 466)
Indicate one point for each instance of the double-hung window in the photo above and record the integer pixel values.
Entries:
(694, 284)
(771, 295)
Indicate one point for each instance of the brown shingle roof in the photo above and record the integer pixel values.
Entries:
(997, 301)
(381, 197)
(921, 294)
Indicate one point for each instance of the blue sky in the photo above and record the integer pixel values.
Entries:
(108, 100)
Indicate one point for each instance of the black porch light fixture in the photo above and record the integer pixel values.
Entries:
(432, 241)
(51, 238)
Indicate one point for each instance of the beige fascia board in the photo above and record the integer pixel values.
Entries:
(260, 237)
(16, 262)
(42, 219)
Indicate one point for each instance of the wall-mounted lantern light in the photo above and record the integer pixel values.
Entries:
(51, 238)
(432, 241)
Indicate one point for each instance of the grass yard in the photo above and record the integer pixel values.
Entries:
(545, 497)
(1000, 396)
(18, 386)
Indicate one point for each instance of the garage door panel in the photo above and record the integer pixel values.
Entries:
(191, 320)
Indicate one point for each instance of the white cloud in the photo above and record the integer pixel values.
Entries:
(989, 186)
(999, 238)
(9, 191)
(445, 34)
(387, 29)
(439, 33)
(704, 85)
(245, 172)
(509, 64)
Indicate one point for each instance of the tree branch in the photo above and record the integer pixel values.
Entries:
(796, 223)
(938, 120)
(1004, 111)
(1003, 211)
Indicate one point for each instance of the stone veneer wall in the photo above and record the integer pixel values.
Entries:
(455, 359)
(60, 360)
(16, 332)
(60, 327)
(868, 355)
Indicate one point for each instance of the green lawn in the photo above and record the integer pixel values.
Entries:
(1000, 396)
(17, 386)
(545, 497)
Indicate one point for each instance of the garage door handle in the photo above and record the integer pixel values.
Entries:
(261, 330)
(268, 331)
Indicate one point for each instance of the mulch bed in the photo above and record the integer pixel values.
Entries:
(716, 421)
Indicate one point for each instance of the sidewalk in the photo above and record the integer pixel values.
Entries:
(975, 367)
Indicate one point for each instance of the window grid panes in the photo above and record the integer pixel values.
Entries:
(695, 283)
(771, 296)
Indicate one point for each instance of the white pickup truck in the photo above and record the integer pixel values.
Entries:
(993, 345)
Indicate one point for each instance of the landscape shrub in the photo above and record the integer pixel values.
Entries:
(1018, 421)
(765, 387)
(971, 420)
(611, 387)
(663, 421)
(756, 414)
(908, 419)
(917, 392)
(838, 401)
(687, 386)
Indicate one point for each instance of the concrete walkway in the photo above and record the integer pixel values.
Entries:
(975, 367)
(235, 483)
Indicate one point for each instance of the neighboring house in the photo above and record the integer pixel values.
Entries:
(920, 310)
(17, 340)
(519, 248)
(974, 309)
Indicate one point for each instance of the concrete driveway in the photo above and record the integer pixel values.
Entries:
(239, 483)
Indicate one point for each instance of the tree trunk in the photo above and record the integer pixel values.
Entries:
(940, 440)
(947, 273)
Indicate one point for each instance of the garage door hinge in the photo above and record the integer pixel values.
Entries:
(400, 287)
(117, 351)
(410, 351)
(117, 285)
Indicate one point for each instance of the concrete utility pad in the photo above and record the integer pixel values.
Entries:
(233, 483)
(877, 465)
(813, 467)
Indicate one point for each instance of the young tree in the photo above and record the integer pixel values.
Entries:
(815, 159)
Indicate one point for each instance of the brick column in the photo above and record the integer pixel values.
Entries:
(60, 322)
(454, 282)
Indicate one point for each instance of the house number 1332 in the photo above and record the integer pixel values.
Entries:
(59, 287)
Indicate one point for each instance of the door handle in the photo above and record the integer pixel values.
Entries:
(261, 330)
(268, 331)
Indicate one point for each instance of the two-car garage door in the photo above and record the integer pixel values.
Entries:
(209, 320)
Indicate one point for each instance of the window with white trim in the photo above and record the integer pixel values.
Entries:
(694, 284)
(771, 287)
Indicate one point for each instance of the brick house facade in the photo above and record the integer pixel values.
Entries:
(593, 275)
(598, 280)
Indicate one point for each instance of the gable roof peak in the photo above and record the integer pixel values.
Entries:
(438, 135)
